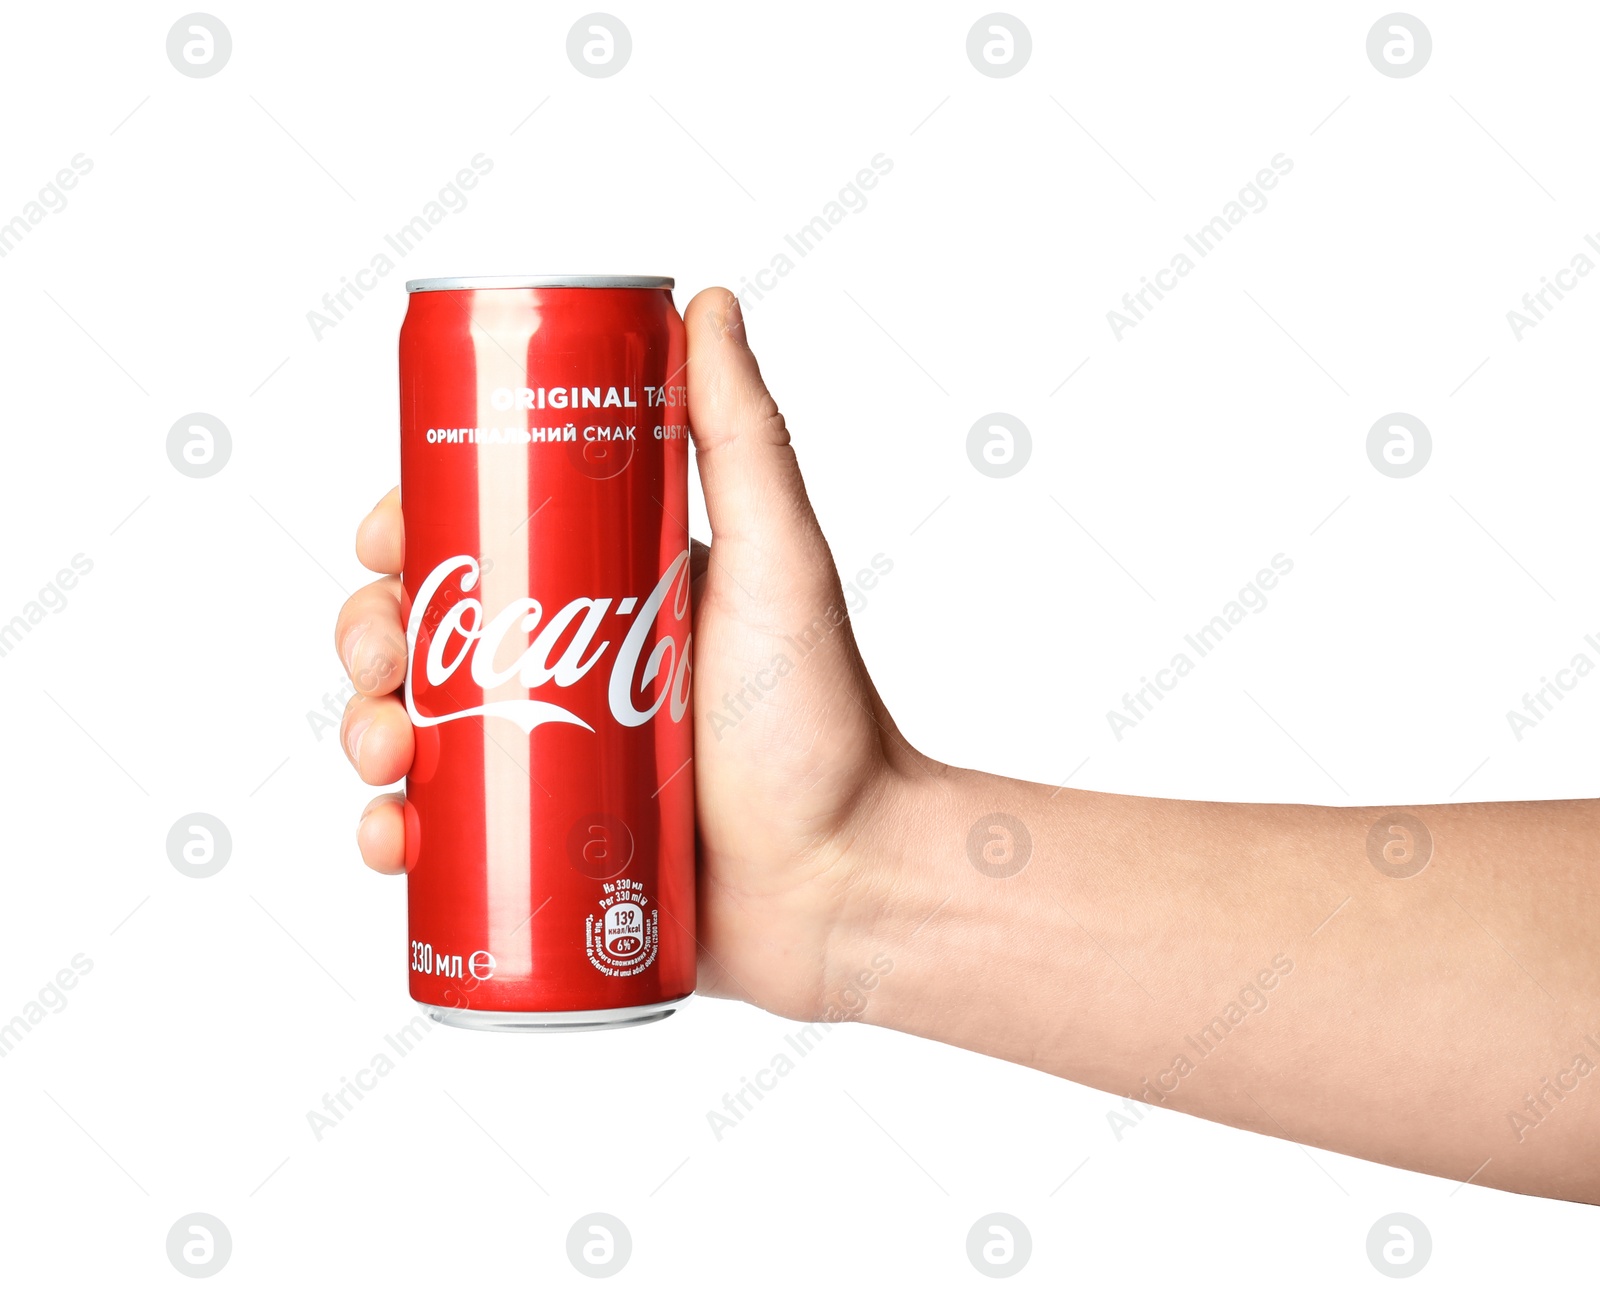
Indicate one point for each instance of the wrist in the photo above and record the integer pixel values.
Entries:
(952, 895)
(894, 868)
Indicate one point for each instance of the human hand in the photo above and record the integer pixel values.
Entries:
(795, 755)
(1114, 924)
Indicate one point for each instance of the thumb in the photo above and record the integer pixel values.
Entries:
(753, 490)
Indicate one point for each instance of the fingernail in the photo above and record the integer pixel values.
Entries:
(733, 320)
(347, 649)
(353, 738)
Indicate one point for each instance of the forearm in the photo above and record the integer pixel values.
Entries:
(1252, 965)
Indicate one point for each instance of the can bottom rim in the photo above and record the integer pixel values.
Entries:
(580, 1020)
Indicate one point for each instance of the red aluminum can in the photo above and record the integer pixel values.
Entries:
(550, 805)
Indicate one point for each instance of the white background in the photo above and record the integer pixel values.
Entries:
(1228, 426)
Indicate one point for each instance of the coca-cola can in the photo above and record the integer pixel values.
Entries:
(546, 597)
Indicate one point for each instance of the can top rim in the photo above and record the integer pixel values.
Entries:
(492, 281)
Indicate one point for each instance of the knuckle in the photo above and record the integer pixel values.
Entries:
(770, 422)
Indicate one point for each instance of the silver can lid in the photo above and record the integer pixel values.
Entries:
(490, 282)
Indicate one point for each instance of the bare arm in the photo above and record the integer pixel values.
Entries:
(1262, 966)
(1254, 965)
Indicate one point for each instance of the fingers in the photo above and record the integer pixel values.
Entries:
(377, 738)
(752, 481)
(376, 732)
(381, 836)
(370, 638)
(380, 538)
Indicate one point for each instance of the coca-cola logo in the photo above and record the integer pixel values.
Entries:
(463, 636)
